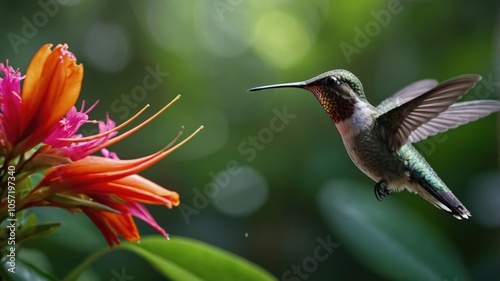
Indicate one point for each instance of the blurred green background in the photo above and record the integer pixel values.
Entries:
(268, 178)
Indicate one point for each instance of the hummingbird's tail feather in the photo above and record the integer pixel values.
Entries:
(445, 200)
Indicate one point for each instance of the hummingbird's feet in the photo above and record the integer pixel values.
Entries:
(381, 190)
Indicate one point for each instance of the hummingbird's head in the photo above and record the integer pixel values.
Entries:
(337, 91)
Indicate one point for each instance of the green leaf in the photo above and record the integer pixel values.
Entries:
(27, 220)
(186, 259)
(390, 238)
(45, 160)
(36, 231)
(36, 178)
(75, 202)
(23, 186)
(22, 271)
(28, 228)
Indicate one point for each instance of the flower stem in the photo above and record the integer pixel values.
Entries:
(76, 272)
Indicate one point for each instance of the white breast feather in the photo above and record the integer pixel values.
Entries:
(360, 120)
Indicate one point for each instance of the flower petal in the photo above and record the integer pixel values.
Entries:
(51, 88)
(10, 103)
(110, 225)
(139, 211)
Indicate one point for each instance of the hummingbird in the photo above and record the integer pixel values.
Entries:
(379, 139)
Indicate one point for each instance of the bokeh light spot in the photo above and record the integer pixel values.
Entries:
(244, 194)
(107, 47)
(280, 39)
(222, 38)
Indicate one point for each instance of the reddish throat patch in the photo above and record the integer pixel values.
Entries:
(338, 107)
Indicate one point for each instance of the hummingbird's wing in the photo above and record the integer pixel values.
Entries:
(397, 124)
(457, 114)
(406, 94)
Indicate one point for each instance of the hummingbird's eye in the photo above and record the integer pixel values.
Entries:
(332, 81)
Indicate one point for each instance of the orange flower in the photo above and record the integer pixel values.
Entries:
(108, 191)
(51, 88)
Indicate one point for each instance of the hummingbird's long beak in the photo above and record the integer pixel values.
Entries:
(284, 85)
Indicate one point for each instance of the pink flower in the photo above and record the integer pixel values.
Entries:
(64, 134)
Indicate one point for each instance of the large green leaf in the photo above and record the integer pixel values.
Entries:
(390, 238)
(183, 258)
(187, 259)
